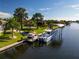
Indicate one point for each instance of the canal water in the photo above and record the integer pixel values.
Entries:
(67, 48)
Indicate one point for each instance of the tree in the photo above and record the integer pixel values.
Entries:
(20, 14)
(4, 25)
(12, 24)
(29, 23)
(62, 21)
(50, 23)
(38, 18)
(0, 22)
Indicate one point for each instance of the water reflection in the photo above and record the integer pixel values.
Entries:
(14, 52)
(56, 43)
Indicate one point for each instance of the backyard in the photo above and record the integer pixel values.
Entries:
(7, 40)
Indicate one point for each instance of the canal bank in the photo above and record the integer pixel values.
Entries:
(3, 49)
(68, 48)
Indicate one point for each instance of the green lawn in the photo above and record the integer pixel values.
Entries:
(5, 42)
(42, 29)
(55, 27)
(39, 30)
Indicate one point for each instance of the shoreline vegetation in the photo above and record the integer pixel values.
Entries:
(4, 40)
(12, 27)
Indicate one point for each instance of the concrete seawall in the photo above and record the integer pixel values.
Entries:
(10, 46)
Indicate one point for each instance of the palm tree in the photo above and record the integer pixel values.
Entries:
(20, 14)
(38, 18)
(12, 24)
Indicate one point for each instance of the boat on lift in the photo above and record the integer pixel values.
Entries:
(48, 36)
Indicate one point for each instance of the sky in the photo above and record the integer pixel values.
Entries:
(51, 9)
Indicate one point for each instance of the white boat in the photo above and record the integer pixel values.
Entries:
(32, 37)
(46, 37)
(61, 25)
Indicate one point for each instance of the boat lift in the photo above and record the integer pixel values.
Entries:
(54, 35)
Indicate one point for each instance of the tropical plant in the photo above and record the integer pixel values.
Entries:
(38, 19)
(12, 24)
(20, 14)
(0, 22)
(50, 23)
